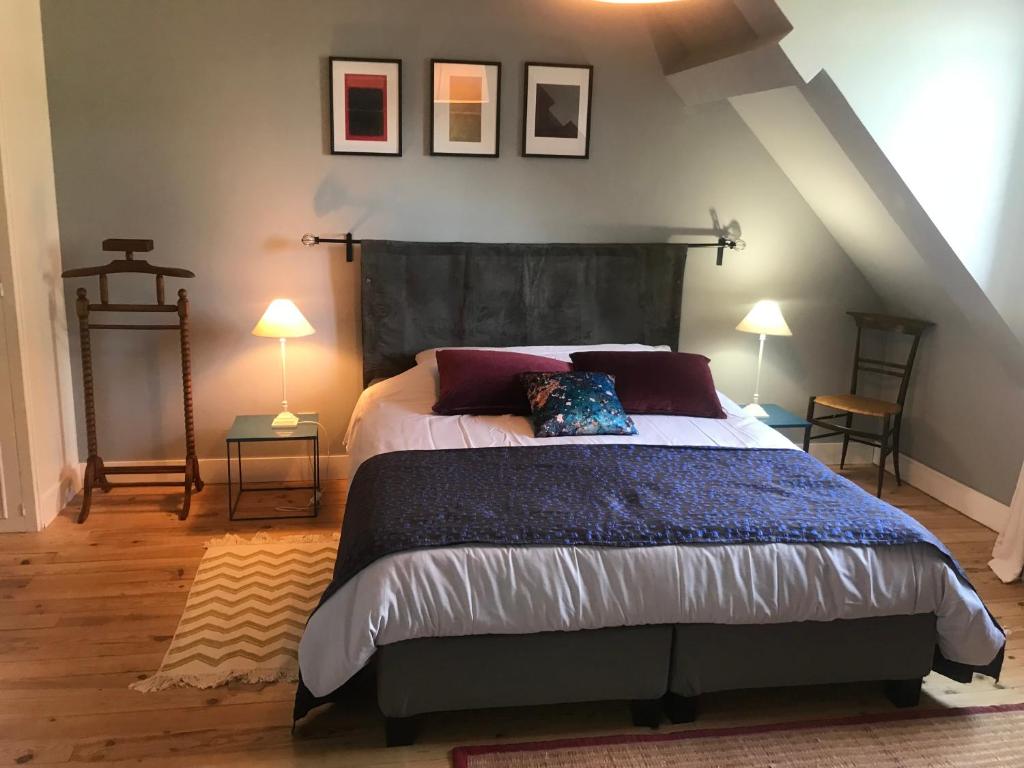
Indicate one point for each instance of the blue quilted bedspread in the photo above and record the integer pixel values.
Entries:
(611, 496)
(608, 496)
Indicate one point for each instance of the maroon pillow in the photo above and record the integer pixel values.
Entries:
(481, 381)
(667, 383)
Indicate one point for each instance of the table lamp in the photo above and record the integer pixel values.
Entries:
(283, 321)
(764, 319)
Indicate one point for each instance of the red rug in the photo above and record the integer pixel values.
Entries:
(942, 738)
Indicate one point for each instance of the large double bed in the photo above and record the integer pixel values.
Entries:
(480, 566)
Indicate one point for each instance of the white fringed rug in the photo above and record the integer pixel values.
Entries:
(949, 738)
(246, 611)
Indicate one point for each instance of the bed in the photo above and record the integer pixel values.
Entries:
(470, 581)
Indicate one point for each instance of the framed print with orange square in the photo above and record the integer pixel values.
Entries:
(465, 109)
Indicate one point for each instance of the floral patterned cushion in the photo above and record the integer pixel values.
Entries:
(575, 403)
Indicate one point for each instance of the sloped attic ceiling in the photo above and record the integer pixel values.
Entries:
(690, 34)
(973, 359)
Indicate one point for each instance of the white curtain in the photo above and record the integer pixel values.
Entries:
(1008, 556)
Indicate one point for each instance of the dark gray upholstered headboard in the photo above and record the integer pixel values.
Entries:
(421, 295)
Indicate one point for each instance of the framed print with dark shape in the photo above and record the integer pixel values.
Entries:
(465, 107)
(556, 113)
(366, 106)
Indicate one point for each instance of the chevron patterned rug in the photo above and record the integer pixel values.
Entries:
(246, 611)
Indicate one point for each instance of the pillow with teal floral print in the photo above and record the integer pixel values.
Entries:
(575, 403)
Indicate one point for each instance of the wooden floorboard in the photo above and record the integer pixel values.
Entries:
(86, 610)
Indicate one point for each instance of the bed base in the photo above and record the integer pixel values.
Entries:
(658, 669)
(681, 709)
(904, 693)
(456, 673)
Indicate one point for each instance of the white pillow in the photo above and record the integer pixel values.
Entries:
(561, 352)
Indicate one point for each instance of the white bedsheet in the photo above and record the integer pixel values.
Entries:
(473, 590)
(395, 415)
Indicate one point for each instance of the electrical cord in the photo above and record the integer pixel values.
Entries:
(318, 492)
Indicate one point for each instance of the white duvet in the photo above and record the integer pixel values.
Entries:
(477, 590)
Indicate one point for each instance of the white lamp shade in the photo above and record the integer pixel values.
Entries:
(765, 317)
(283, 320)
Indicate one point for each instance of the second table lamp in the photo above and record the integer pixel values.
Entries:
(765, 319)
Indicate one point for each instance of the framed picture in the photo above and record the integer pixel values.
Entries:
(366, 106)
(465, 107)
(556, 112)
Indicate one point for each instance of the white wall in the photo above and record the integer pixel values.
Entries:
(939, 84)
(38, 348)
(224, 165)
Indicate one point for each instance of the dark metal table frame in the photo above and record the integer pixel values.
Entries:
(280, 435)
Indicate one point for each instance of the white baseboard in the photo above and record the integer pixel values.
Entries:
(964, 499)
(260, 469)
(974, 504)
(255, 469)
(52, 500)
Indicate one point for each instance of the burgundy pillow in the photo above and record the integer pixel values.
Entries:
(482, 381)
(666, 383)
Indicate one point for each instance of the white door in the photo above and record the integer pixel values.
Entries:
(11, 509)
(13, 462)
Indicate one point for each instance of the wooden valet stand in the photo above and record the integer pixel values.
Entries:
(96, 472)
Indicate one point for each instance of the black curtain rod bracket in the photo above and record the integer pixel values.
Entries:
(311, 240)
(732, 243)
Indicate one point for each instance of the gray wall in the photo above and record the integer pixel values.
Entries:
(965, 412)
(200, 123)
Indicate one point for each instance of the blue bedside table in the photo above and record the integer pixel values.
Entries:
(780, 418)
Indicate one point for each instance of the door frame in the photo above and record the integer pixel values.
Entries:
(17, 489)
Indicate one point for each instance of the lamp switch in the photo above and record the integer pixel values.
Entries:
(756, 411)
(285, 420)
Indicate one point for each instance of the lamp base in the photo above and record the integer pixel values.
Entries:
(756, 411)
(285, 420)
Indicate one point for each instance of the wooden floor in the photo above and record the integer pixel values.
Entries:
(85, 610)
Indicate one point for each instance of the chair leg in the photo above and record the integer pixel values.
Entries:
(101, 476)
(186, 501)
(90, 480)
(883, 446)
(896, 449)
(807, 429)
(846, 441)
(197, 480)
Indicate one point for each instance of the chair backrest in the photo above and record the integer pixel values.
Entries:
(888, 324)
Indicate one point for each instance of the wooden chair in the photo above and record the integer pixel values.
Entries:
(890, 412)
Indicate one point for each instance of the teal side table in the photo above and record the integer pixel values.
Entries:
(780, 418)
(257, 429)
